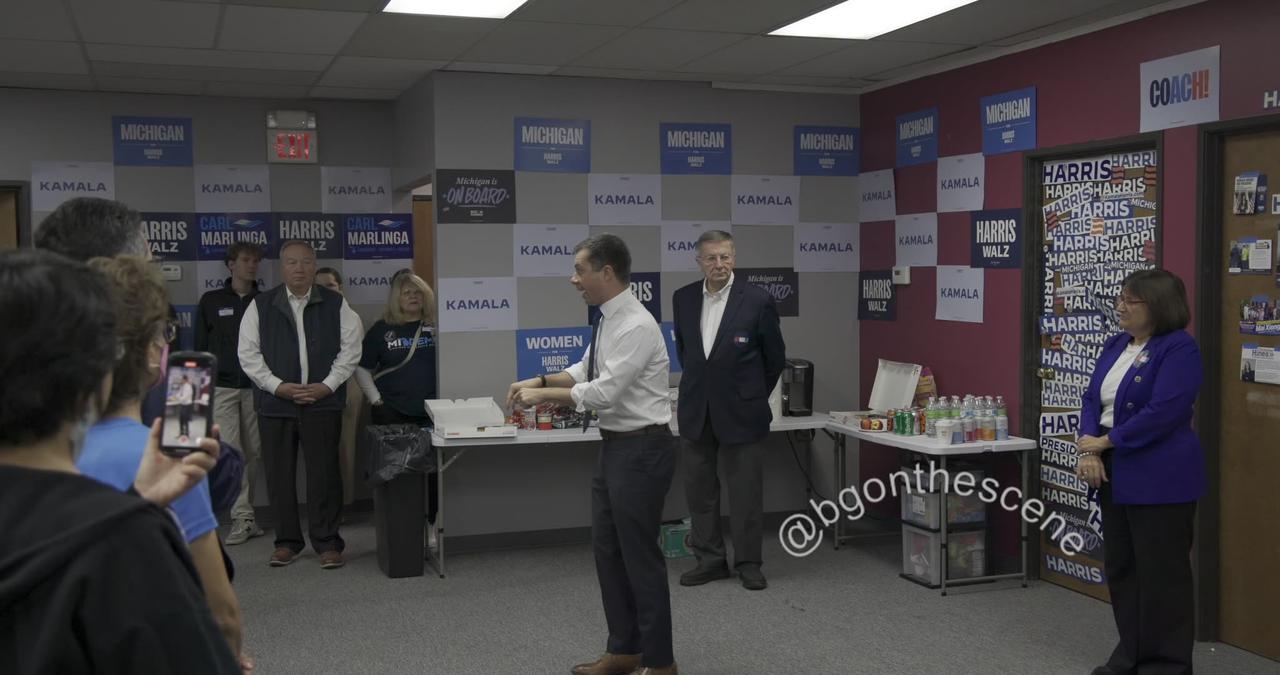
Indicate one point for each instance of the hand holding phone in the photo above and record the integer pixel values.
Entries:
(188, 409)
(162, 478)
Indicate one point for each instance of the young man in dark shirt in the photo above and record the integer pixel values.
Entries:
(217, 330)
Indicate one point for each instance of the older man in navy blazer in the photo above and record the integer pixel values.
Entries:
(730, 345)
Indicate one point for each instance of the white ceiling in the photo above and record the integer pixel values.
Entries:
(349, 49)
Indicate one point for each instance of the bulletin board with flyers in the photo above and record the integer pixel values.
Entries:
(1097, 216)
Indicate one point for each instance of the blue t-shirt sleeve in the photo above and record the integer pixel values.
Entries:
(195, 513)
(372, 346)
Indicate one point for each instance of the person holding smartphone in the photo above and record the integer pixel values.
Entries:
(114, 446)
(95, 580)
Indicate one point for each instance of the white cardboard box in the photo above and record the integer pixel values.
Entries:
(469, 418)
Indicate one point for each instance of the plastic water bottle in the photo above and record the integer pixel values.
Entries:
(1001, 408)
(931, 417)
(1002, 427)
(968, 410)
(955, 407)
(987, 425)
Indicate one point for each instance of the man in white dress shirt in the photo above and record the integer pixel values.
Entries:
(623, 377)
(299, 343)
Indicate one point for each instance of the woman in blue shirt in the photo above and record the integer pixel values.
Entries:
(113, 447)
(1138, 449)
(397, 369)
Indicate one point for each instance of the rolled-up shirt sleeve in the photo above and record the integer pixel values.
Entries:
(625, 361)
(250, 352)
(348, 357)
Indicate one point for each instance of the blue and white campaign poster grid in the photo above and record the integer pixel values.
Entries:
(695, 148)
(826, 247)
(1009, 121)
(765, 200)
(877, 201)
(152, 141)
(680, 239)
(171, 236)
(322, 230)
(546, 250)
(826, 151)
(916, 240)
(961, 181)
(355, 189)
(960, 293)
(997, 238)
(217, 232)
(55, 182)
(232, 188)
(469, 304)
(624, 199)
(542, 351)
(375, 247)
(917, 135)
(552, 145)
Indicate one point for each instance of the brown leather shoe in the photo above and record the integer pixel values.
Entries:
(282, 556)
(669, 670)
(331, 560)
(609, 664)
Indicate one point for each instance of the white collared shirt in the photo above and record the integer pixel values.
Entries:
(630, 390)
(712, 313)
(1110, 387)
(250, 347)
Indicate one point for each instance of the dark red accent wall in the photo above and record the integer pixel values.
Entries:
(1087, 89)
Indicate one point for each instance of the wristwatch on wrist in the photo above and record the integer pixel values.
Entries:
(542, 381)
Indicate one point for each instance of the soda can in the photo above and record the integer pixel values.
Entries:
(911, 420)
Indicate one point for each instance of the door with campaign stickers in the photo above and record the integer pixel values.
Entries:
(1096, 222)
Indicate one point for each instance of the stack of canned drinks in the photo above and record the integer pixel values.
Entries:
(975, 418)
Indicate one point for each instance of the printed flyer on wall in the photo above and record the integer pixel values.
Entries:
(1259, 364)
(1260, 315)
(1249, 255)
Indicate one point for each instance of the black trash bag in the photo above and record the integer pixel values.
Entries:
(396, 449)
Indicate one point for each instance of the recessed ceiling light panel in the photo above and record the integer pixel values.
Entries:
(865, 19)
(483, 9)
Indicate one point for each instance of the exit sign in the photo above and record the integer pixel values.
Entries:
(293, 146)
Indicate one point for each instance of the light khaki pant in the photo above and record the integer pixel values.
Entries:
(233, 413)
(347, 444)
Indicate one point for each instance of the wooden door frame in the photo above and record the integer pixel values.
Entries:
(1209, 202)
(1032, 163)
(26, 228)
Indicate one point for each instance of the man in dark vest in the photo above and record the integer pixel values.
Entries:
(299, 343)
(731, 348)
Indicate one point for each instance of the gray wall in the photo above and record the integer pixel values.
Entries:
(414, 114)
(492, 489)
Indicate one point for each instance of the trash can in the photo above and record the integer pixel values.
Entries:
(400, 456)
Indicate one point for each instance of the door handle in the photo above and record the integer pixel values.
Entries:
(1046, 374)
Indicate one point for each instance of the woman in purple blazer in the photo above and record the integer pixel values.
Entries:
(1138, 449)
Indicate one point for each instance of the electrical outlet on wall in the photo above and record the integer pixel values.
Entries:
(901, 276)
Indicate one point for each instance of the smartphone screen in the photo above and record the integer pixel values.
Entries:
(188, 409)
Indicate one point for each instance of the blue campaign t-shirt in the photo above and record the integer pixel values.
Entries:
(404, 389)
(112, 454)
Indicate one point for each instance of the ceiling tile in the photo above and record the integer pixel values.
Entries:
(406, 36)
(335, 5)
(800, 80)
(32, 56)
(598, 12)
(207, 57)
(656, 49)
(753, 17)
(355, 92)
(1111, 10)
(990, 20)
(516, 68)
(861, 58)
(150, 86)
(45, 81)
(255, 90)
(956, 60)
(759, 55)
(539, 43)
(295, 31)
(146, 22)
(36, 20)
(173, 72)
(363, 71)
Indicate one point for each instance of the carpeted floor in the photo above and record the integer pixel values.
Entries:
(538, 611)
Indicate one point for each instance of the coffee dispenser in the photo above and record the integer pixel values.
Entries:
(797, 388)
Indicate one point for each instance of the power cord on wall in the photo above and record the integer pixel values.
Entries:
(809, 436)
